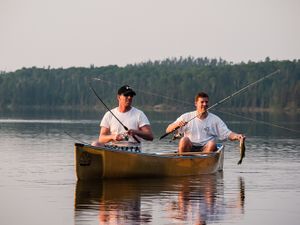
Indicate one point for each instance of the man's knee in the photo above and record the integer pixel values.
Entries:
(185, 140)
(210, 146)
(185, 144)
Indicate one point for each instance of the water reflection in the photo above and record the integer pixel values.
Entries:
(37, 164)
(196, 200)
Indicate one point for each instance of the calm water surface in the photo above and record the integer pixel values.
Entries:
(39, 186)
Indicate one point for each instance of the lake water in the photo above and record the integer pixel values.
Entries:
(39, 186)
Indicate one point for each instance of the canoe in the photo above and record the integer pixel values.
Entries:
(107, 162)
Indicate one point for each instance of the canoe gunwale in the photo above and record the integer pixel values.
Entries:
(96, 149)
(98, 162)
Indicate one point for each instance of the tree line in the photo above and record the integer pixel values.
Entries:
(166, 84)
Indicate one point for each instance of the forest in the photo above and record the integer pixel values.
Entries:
(168, 84)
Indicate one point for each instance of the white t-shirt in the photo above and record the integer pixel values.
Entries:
(201, 131)
(132, 119)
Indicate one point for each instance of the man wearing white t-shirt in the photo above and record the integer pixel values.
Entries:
(201, 129)
(134, 119)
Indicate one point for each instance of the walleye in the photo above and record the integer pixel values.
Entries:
(242, 150)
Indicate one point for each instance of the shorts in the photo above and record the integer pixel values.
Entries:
(197, 148)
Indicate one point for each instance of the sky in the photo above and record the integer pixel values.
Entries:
(81, 33)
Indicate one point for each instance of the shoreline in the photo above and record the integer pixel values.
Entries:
(147, 108)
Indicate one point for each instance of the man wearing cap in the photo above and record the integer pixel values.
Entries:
(134, 119)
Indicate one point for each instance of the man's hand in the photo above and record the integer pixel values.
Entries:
(120, 137)
(236, 137)
(240, 137)
(181, 123)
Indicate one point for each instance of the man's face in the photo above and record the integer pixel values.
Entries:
(125, 100)
(201, 104)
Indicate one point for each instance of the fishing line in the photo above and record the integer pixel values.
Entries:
(145, 92)
(71, 136)
(224, 100)
(258, 121)
(76, 139)
(217, 110)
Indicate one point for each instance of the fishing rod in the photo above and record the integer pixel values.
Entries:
(126, 128)
(190, 104)
(224, 100)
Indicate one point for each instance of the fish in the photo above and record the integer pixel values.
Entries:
(242, 150)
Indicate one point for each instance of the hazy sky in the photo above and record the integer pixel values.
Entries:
(65, 33)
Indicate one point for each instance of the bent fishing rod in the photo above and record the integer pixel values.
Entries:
(225, 99)
(126, 128)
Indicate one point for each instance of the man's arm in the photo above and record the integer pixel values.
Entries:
(105, 136)
(144, 132)
(174, 125)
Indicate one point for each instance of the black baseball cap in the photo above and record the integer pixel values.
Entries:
(126, 90)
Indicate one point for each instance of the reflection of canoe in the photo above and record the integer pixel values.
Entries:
(111, 198)
(118, 190)
(104, 162)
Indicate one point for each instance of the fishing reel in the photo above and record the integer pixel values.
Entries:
(125, 136)
(176, 135)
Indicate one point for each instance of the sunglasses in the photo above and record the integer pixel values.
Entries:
(129, 94)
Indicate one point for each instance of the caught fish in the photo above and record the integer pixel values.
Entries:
(242, 150)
